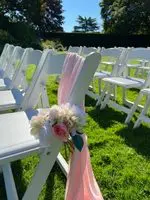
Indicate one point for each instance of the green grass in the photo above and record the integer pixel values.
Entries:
(120, 156)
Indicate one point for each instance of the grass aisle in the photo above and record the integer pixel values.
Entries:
(120, 157)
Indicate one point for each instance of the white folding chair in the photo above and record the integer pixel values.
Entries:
(143, 117)
(11, 68)
(117, 55)
(17, 142)
(6, 59)
(11, 99)
(144, 111)
(125, 82)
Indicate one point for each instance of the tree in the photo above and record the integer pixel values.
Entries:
(126, 16)
(86, 24)
(42, 15)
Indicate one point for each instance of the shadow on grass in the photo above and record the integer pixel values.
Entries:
(107, 117)
(139, 138)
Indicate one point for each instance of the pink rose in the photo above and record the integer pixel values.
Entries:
(60, 131)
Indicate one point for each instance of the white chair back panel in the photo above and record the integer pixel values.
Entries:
(139, 53)
(20, 79)
(14, 62)
(56, 62)
(18, 74)
(75, 49)
(9, 52)
(87, 50)
(85, 77)
(48, 68)
(111, 52)
(3, 54)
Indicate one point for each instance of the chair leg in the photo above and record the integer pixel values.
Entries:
(115, 93)
(124, 96)
(9, 183)
(133, 108)
(144, 111)
(102, 95)
(100, 86)
(106, 99)
(43, 169)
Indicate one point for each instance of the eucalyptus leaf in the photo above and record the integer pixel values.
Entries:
(78, 142)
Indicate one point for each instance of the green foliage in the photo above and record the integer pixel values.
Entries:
(52, 44)
(25, 35)
(126, 16)
(5, 37)
(30, 72)
(42, 15)
(86, 24)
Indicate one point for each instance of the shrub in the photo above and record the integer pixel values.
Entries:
(24, 34)
(52, 44)
(5, 37)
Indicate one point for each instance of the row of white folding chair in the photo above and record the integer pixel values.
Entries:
(17, 141)
(11, 68)
(83, 51)
(75, 49)
(127, 83)
(13, 97)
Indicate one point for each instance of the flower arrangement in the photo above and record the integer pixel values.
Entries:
(66, 122)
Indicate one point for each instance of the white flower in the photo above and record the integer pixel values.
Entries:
(36, 124)
(54, 113)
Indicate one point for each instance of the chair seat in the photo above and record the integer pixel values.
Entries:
(146, 91)
(108, 63)
(133, 65)
(101, 74)
(125, 82)
(16, 137)
(10, 99)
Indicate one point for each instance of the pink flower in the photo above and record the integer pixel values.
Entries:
(60, 131)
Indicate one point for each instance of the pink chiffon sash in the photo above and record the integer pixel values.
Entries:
(81, 183)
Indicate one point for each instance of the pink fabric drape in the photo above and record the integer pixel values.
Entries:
(81, 183)
(71, 68)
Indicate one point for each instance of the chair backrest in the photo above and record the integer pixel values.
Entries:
(75, 49)
(86, 50)
(29, 57)
(14, 61)
(114, 55)
(51, 64)
(3, 54)
(8, 53)
(135, 54)
(84, 79)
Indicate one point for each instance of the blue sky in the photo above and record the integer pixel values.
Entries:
(73, 8)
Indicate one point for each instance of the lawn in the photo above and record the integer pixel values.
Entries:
(120, 156)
